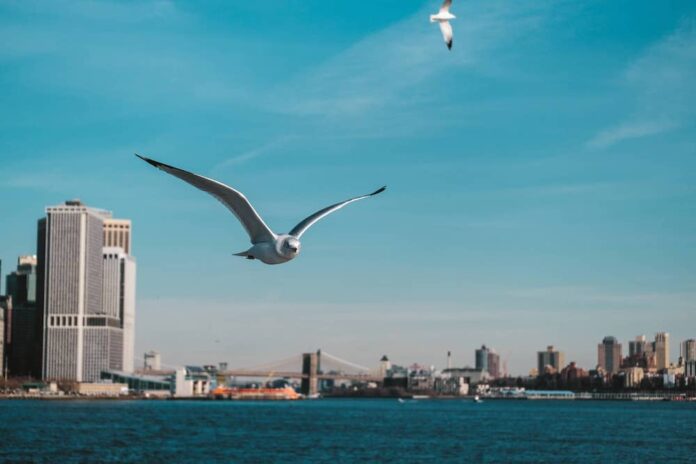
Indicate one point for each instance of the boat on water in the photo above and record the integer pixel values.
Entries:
(477, 399)
(234, 393)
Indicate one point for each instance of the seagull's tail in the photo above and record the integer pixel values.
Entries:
(432, 18)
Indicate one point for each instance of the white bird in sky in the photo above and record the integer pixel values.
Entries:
(267, 246)
(443, 16)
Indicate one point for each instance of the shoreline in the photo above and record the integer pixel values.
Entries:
(581, 398)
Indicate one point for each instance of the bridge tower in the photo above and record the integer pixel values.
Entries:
(310, 368)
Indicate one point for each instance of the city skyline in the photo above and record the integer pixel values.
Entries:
(554, 146)
(117, 237)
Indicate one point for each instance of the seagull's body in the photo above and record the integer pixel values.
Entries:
(443, 17)
(267, 247)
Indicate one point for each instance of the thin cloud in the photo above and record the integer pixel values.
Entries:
(255, 152)
(662, 82)
(630, 130)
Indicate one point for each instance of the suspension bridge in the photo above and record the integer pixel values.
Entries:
(309, 368)
(314, 367)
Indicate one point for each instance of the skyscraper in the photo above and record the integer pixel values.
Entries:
(83, 325)
(637, 347)
(550, 357)
(21, 284)
(5, 308)
(662, 350)
(482, 358)
(493, 364)
(609, 355)
(688, 350)
(22, 347)
(119, 305)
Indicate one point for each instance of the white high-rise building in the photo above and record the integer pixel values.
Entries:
(87, 295)
(119, 302)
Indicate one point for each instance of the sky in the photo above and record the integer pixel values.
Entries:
(541, 176)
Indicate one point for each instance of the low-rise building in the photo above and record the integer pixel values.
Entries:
(470, 375)
(158, 385)
(451, 384)
(549, 395)
(102, 389)
(191, 381)
(420, 378)
(633, 376)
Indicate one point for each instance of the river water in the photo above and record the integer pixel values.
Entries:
(347, 430)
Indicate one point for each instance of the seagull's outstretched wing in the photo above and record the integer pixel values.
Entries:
(300, 228)
(446, 29)
(234, 201)
(445, 6)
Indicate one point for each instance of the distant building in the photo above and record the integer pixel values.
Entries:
(5, 308)
(493, 364)
(191, 381)
(451, 382)
(637, 347)
(21, 322)
(384, 366)
(102, 389)
(550, 357)
(571, 374)
(152, 361)
(482, 358)
(609, 355)
(420, 378)
(633, 376)
(690, 369)
(688, 350)
(662, 350)
(487, 360)
(157, 385)
(469, 375)
(21, 284)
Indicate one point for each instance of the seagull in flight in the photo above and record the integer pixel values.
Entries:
(443, 16)
(267, 246)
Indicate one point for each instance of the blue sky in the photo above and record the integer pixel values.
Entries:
(542, 174)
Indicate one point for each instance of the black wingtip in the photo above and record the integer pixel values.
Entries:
(154, 163)
(379, 190)
(449, 46)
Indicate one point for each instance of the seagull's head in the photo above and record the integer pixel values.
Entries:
(291, 247)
